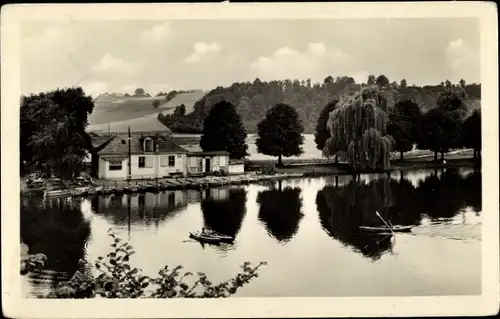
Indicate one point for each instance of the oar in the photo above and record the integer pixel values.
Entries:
(390, 228)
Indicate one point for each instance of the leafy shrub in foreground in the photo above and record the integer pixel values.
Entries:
(118, 279)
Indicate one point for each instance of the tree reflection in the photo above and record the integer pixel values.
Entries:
(280, 211)
(56, 228)
(224, 209)
(146, 209)
(343, 209)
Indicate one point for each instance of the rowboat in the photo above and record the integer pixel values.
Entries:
(57, 193)
(394, 229)
(211, 238)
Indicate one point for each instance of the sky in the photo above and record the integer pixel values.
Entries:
(122, 55)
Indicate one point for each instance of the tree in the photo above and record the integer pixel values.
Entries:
(223, 130)
(452, 100)
(439, 131)
(371, 79)
(322, 134)
(156, 103)
(448, 84)
(403, 125)
(280, 132)
(471, 132)
(180, 110)
(139, 91)
(462, 83)
(382, 81)
(403, 84)
(53, 129)
(358, 131)
(328, 80)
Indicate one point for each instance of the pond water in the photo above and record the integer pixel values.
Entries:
(307, 230)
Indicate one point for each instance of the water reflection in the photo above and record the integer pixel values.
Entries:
(280, 211)
(342, 209)
(317, 213)
(56, 228)
(224, 209)
(143, 209)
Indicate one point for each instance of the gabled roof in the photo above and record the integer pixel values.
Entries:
(98, 142)
(119, 144)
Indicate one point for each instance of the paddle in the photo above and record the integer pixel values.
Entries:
(390, 228)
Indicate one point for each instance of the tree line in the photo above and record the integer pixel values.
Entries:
(253, 99)
(359, 129)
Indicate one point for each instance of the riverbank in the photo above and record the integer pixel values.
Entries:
(296, 170)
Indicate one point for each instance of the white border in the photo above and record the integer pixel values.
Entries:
(14, 306)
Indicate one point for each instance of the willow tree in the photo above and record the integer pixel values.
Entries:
(358, 131)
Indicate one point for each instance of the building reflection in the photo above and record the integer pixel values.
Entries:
(143, 209)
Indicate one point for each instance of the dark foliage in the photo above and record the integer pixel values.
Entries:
(223, 130)
(280, 133)
(53, 130)
(321, 133)
(404, 125)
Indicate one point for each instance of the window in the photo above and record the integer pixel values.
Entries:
(146, 161)
(148, 145)
(115, 165)
(171, 199)
(167, 161)
(222, 160)
(171, 161)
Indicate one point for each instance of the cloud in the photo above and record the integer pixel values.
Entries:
(113, 64)
(316, 49)
(202, 49)
(463, 60)
(316, 62)
(157, 33)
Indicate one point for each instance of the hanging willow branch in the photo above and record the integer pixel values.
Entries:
(358, 131)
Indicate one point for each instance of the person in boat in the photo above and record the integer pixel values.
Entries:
(205, 231)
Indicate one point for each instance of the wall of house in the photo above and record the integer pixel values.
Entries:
(179, 167)
(152, 169)
(143, 172)
(105, 173)
(236, 168)
(217, 161)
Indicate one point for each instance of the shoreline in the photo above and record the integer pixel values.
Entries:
(290, 171)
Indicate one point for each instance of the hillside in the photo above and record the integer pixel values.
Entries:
(252, 100)
(188, 99)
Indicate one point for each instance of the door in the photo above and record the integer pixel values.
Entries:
(208, 167)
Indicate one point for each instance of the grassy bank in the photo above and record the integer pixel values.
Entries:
(320, 167)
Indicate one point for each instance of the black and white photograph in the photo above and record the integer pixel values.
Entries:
(260, 156)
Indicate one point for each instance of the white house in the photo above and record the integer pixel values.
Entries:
(153, 155)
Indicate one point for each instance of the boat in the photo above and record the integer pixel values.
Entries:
(57, 193)
(211, 237)
(387, 229)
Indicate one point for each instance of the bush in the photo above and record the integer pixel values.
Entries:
(118, 279)
(268, 170)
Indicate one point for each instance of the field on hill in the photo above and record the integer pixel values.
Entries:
(188, 99)
(118, 113)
